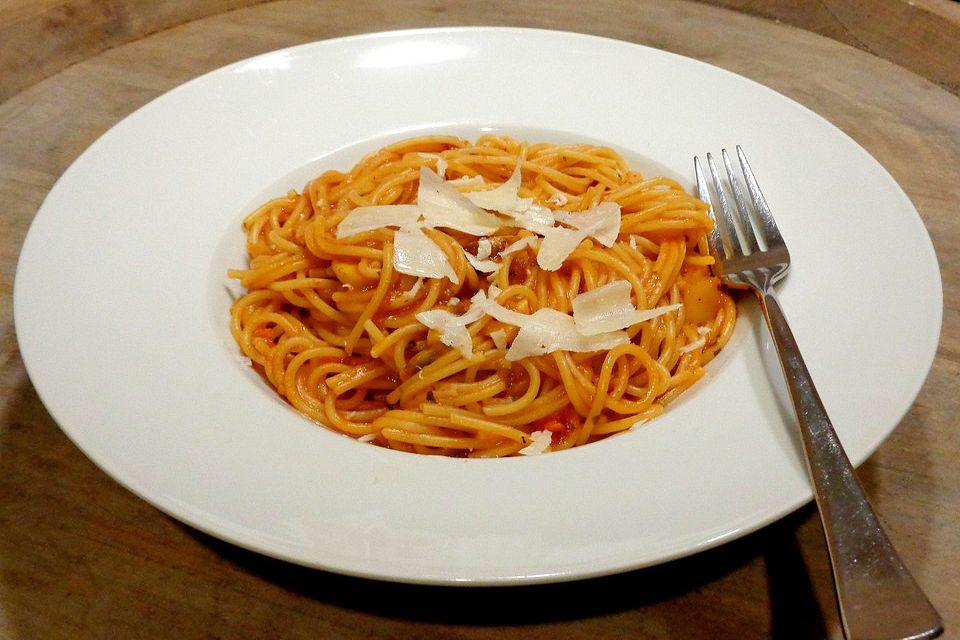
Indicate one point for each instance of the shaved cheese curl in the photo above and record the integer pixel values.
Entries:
(539, 443)
(453, 328)
(601, 221)
(548, 330)
(609, 308)
(443, 206)
(415, 254)
(377, 217)
(503, 198)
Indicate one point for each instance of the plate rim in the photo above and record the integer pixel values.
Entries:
(436, 579)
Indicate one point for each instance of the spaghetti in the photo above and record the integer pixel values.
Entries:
(550, 328)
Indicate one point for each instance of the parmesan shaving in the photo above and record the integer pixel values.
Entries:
(367, 437)
(453, 328)
(558, 243)
(499, 312)
(441, 163)
(522, 243)
(503, 198)
(375, 217)
(486, 266)
(602, 221)
(693, 346)
(650, 314)
(477, 308)
(484, 248)
(499, 337)
(467, 181)
(415, 254)
(558, 198)
(479, 261)
(549, 330)
(534, 218)
(539, 442)
(412, 292)
(609, 308)
(443, 206)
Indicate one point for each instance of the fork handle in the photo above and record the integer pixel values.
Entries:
(877, 596)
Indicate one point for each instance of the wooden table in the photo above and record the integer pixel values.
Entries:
(80, 557)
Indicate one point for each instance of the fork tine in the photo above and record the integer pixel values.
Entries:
(749, 237)
(713, 238)
(728, 228)
(771, 234)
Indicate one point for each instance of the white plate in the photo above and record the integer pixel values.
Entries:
(121, 310)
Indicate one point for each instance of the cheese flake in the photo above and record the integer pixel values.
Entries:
(548, 330)
(467, 181)
(693, 346)
(503, 198)
(415, 254)
(601, 221)
(499, 312)
(486, 266)
(558, 243)
(499, 337)
(453, 328)
(536, 218)
(539, 442)
(484, 248)
(609, 308)
(480, 261)
(519, 245)
(441, 164)
(412, 292)
(443, 206)
(363, 219)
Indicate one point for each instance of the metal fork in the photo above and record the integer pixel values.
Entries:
(877, 596)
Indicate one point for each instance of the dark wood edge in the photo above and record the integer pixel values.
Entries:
(39, 38)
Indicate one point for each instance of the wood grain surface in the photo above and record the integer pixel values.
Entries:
(80, 557)
(920, 35)
(40, 37)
